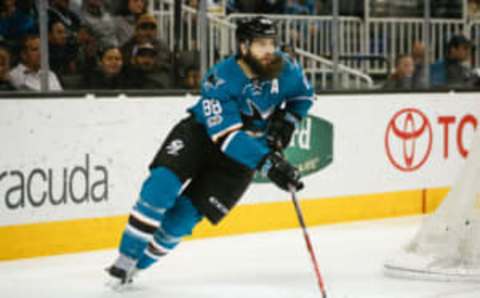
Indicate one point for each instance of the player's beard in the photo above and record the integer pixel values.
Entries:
(265, 72)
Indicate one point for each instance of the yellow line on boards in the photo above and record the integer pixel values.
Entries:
(51, 238)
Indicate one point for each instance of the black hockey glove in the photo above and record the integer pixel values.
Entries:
(281, 172)
(280, 129)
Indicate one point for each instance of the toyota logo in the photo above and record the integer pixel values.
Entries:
(408, 140)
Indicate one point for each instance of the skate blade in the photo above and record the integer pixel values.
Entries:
(117, 285)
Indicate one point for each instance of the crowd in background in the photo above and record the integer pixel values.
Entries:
(93, 44)
(453, 71)
(378, 8)
(107, 44)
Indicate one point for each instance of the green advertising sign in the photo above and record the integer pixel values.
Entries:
(311, 148)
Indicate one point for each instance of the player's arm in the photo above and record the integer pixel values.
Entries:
(302, 95)
(220, 114)
(284, 121)
(224, 126)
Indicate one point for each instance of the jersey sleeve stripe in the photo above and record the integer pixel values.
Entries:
(145, 236)
(226, 131)
(228, 140)
(159, 247)
(146, 220)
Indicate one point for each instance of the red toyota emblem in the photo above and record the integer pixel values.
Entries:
(408, 140)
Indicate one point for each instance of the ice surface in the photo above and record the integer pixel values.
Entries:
(263, 265)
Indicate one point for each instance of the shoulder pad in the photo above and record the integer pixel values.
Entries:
(213, 81)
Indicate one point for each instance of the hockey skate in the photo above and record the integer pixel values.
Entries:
(121, 273)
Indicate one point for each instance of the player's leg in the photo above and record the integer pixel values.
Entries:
(157, 195)
(178, 222)
(215, 190)
(175, 163)
(215, 194)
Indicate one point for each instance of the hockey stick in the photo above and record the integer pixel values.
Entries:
(316, 268)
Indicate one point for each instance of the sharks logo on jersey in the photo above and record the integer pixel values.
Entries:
(253, 110)
(259, 104)
(213, 82)
(254, 119)
(258, 94)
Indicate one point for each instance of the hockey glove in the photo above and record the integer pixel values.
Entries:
(280, 129)
(281, 172)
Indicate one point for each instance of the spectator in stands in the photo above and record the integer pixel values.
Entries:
(146, 31)
(402, 78)
(188, 70)
(192, 78)
(5, 82)
(274, 6)
(108, 75)
(100, 21)
(14, 23)
(114, 6)
(143, 71)
(60, 11)
(473, 9)
(86, 58)
(298, 7)
(418, 55)
(244, 6)
(28, 8)
(311, 5)
(26, 75)
(128, 15)
(61, 53)
(454, 70)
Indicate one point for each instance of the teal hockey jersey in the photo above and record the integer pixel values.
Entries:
(235, 110)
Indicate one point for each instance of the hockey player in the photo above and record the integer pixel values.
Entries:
(249, 107)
